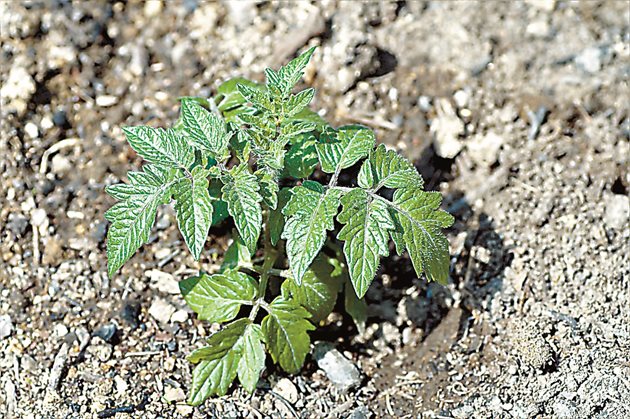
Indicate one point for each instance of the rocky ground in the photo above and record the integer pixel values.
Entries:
(517, 112)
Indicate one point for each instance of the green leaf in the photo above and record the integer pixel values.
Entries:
(206, 130)
(268, 187)
(308, 115)
(228, 96)
(417, 213)
(243, 200)
(165, 147)
(301, 158)
(367, 221)
(257, 97)
(352, 143)
(287, 77)
(133, 217)
(285, 329)
(219, 207)
(386, 168)
(236, 254)
(218, 298)
(217, 363)
(298, 102)
(356, 307)
(276, 219)
(193, 206)
(253, 357)
(318, 291)
(310, 212)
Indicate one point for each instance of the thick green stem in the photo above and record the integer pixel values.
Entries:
(270, 255)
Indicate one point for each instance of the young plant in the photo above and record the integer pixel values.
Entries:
(247, 154)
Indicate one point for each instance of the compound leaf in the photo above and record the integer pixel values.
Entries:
(298, 102)
(218, 298)
(217, 363)
(241, 193)
(133, 217)
(283, 80)
(310, 212)
(301, 158)
(253, 357)
(416, 211)
(165, 147)
(351, 143)
(367, 221)
(276, 219)
(193, 206)
(205, 130)
(285, 329)
(386, 168)
(318, 291)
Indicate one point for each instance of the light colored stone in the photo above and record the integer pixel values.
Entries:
(544, 5)
(484, 150)
(31, 130)
(6, 326)
(590, 60)
(446, 129)
(163, 281)
(180, 316)
(617, 211)
(17, 89)
(174, 394)
(339, 369)
(61, 164)
(286, 389)
(121, 385)
(161, 311)
(184, 409)
(105, 101)
(152, 8)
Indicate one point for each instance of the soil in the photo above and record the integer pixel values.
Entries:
(517, 112)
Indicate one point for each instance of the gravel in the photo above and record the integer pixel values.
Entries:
(515, 112)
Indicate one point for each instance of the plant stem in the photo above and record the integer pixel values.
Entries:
(270, 254)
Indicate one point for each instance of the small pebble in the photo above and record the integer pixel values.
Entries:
(161, 311)
(107, 332)
(31, 130)
(339, 369)
(286, 389)
(6, 326)
(105, 101)
(180, 316)
(174, 394)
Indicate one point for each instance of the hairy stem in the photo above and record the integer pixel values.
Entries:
(270, 254)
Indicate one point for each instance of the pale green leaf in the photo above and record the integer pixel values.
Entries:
(365, 233)
(236, 254)
(276, 218)
(352, 143)
(257, 97)
(205, 130)
(193, 206)
(228, 96)
(356, 307)
(217, 363)
(298, 102)
(287, 77)
(285, 329)
(318, 291)
(252, 360)
(165, 147)
(133, 217)
(268, 181)
(310, 212)
(301, 158)
(241, 193)
(218, 298)
(386, 168)
(417, 212)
